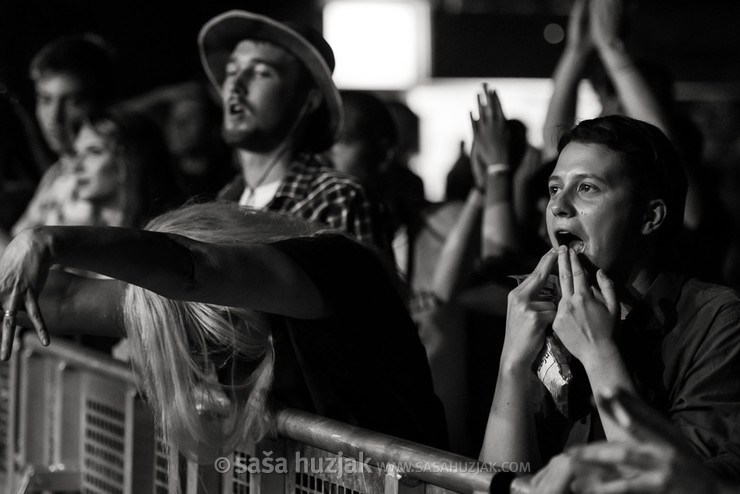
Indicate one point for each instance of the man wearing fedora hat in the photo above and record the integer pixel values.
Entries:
(280, 108)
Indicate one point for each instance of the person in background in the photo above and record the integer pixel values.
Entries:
(365, 149)
(73, 75)
(21, 160)
(190, 119)
(281, 108)
(123, 175)
(483, 243)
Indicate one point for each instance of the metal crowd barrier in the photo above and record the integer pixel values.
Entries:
(72, 420)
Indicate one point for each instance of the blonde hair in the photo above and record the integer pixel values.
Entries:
(177, 344)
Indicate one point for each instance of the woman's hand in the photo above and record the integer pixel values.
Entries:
(23, 270)
(490, 136)
(583, 323)
(527, 316)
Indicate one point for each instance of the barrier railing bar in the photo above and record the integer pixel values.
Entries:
(335, 436)
(82, 358)
(323, 433)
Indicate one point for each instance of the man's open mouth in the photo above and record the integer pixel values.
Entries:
(236, 108)
(572, 241)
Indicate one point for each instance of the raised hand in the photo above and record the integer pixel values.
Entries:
(528, 316)
(24, 268)
(578, 34)
(584, 323)
(490, 135)
(606, 18)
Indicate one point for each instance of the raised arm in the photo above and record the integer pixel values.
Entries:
(635, 95)
(258, 277)
(489, 199)
(568, 74)
(491, 160)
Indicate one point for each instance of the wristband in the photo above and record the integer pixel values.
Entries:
(497, 168)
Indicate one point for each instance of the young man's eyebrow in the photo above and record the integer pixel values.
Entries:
(579, 176)
(271, 63)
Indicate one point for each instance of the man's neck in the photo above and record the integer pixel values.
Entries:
(637, 284)
(260, 168)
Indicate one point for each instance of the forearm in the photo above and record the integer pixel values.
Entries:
(607, 371)
(455, 260)
(160, 262)
(510, 433)
(561, 110)
(72, 304)
(499, 225)
(251, 276)
(634, 93)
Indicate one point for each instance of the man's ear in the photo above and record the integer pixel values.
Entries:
(654, 216)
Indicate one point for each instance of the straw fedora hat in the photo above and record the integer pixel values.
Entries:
(220, 35)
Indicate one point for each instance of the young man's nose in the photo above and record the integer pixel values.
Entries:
(79, 164)
(241, 81)
(561, 204)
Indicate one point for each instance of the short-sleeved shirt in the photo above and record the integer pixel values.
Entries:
(321, 194)
(681, 346)
(365, 365)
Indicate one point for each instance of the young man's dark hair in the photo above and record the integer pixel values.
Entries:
(84, 55)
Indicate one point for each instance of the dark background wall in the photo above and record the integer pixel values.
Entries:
(698, 41)
(155, 40)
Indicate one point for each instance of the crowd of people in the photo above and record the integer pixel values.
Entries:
(570, 307)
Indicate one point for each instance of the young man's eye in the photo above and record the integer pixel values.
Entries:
(588, 188)
(262, 73)
(553, 189)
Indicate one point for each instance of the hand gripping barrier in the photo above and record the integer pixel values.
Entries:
(73, 421)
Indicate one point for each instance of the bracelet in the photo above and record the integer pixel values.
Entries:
(497, 168)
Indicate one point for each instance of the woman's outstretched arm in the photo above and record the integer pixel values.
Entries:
(258, 277)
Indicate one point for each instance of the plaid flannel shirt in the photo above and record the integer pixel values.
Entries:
(319, 193)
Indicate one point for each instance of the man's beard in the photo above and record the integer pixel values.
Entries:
(252, 140)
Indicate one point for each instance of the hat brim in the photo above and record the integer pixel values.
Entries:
(220, 35)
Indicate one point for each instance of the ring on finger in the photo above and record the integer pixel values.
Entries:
(10, 313)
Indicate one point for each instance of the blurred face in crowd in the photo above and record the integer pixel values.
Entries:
(186, 130)
(594, 206)
(98, 175)
(356, 158)
(61, 100)
(259, 95)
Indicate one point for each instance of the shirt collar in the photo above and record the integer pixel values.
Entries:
(659, 303)
(296, 176)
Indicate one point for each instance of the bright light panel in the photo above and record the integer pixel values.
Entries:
(378, 44)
